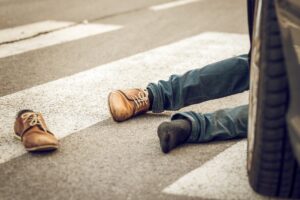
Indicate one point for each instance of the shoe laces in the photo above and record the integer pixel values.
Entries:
(34, 119)
(141, 98)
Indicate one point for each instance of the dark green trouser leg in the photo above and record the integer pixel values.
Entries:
(213, 81)
(220, 125)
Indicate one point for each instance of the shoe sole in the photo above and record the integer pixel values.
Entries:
(43, 148)
(109, 106)
(40, 148)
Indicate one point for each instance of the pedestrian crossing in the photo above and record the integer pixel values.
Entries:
(67, 34)
(30, 30)
(79, 101)
(67, 99)
(224, 174)
(172, 4)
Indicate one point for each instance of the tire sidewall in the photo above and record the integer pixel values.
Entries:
(254, 84)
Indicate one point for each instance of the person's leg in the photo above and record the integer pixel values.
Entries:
(198, 128)
(213, 81)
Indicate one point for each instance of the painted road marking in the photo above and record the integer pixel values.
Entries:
(172, 4)
(30, 30)
(223, 177)
(76, 102)
(57, 37)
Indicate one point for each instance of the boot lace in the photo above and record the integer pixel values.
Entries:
(33, 119)
(141, 98)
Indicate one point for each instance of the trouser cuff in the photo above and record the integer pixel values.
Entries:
(158, 102)
(195, 129)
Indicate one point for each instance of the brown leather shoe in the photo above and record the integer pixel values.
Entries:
(124, 104)
(31, 129)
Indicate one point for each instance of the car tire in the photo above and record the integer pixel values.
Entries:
(272, 167)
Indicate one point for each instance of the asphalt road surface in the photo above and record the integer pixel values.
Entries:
(62, 58)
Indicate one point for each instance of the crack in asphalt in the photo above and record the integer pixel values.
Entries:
(38, 34)
(75, 24)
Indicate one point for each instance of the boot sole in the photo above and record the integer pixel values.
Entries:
(111, 113)
(110, 108)
(40, 148)
(108, 102)
(43, 148)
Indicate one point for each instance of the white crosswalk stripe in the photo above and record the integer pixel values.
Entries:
(172, 4)
(223, 177)
(76, 102)
(53, 38)
(30, 30)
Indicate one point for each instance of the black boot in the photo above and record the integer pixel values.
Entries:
(173, 133)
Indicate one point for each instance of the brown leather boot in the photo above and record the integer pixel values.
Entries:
(31, 129)
(124, 104)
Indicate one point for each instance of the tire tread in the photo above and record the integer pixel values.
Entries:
(274, 171)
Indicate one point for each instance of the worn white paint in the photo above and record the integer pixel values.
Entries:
(76, 102)
(30, 30)
(172, 4)
(223, 177)
(53, 38)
